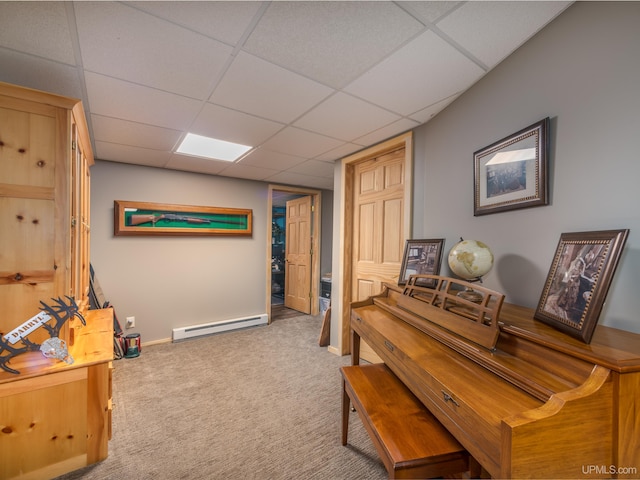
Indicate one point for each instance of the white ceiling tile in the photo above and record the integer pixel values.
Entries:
(305, 37)
(232, 126)
(423, 116)
(24, 25)
(422, 73)
(389, 131)
(39, 73)
(429, 12)
(314, 168)
(195, 164)
(321, 183)
(290, 77)
(294, 141)
(114, 130)
(291, 178)
(224, 21)
(345, 117)
(261, 88)
(341, 151)
(262, 157)
(492, 30)
(115, 98)
(131, 45)
(248, 172)
(127, 154)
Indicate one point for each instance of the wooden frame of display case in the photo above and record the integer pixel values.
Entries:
(145, 218)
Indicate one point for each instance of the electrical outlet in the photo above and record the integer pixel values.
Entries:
(131, 322)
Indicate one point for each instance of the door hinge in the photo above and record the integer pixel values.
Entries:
(73, 221)
(313, 208)
(73, 144)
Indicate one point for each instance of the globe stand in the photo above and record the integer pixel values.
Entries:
(470, 260)
(470, 295)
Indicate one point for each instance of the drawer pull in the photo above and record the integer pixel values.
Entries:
(449, 398)
(358, 319)
(389, 345)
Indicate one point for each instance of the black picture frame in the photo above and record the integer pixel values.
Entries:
(512, 173)
(578, 281)
(421, 257)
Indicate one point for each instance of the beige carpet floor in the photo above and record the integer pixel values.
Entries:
(260, 403)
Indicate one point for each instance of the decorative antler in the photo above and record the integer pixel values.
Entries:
(60, 312)
(5, 346)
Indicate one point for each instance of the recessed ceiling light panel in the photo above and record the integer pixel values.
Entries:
(207, 147)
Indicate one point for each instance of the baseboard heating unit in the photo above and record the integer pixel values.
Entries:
(184, 333)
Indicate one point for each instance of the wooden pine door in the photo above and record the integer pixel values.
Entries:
(378, 213)
(298, 255)
(378, 228)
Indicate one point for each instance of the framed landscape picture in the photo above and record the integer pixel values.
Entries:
(512, 173)
(421, 257)
(578, 281)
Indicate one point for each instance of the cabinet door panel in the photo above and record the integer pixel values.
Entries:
(28, 153)
(45, 427)
(28, 270)
(35, 173)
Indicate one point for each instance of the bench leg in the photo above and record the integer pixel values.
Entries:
(345, 413)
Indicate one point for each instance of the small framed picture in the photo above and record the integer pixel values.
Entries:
(578, 281)
(421, 257)
(512, 173)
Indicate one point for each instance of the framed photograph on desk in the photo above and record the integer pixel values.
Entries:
(578, 281)
(421, 257)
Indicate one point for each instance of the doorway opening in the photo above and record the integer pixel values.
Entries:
(292, 280)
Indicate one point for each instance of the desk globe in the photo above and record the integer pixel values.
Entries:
(470, 260)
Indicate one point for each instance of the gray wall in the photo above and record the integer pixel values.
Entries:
(169, 282)
(582, 71)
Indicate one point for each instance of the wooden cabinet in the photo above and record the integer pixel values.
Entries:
(54, 417)
(45, 155)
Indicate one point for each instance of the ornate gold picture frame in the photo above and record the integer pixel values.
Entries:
(512, 173)
(578, 281)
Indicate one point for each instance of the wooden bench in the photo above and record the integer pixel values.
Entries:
(409, 439)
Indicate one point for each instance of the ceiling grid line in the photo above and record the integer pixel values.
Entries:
(305, 83)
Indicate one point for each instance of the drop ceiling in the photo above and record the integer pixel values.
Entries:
(306, 83)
